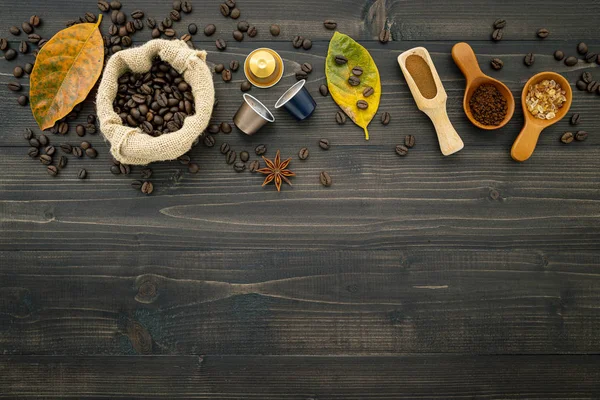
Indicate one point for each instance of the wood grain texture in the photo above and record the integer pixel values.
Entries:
(470, 276)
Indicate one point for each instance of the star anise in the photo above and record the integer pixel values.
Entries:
(276, 171)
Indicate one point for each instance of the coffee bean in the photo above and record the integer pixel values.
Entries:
(3, 44)
(368, 91)
(104, 6)
(260, 149)
(121, 18)
(543, 33)
(89, 17)
(28, 68)
(221, 44)
(559, 55)
(46, 159)
(275, 30)
(170, 32)
(115, 5)
(575, 119)
(297, 42)
(184, 159)
(587, 77)
(324, 144)
(151, 22)
(125, 169)
(340, 60)
(91, 152)
(237, 35)
(385, 118)
(244, 156)
(23, 47)
(192, 29)
(52, 170)
(582, 48)
(66, 148)
(401, 150)
(115, 170)
(581, 85)
(209, 141)
(210, 29)
(409, 141)
(243, 26)
(14, 86)
(252, 31)
(186, 7)
(354, 80)
(592, 86)
(137, 185)
(500, 23)
(224, 148)
(580, 136)
(62, 162)
(213, 129)
(325, 179)
(219, 68)
(497, 63)
(225, 11)
(234, 65)
(567, 137)
(235, 13)
(362, 105)
(50, 150)
(82, 174)
(226, 127)
(28, 134)
(14, 30)
(146, 173)
(324, 90)
(33, 152)
(34, 142)
(303, 153)
(147, 188)
(590, 57)
(301, 75)
(330, 24)
(10, 54)
(85, 145)
(44, 141)
(529, 59)
(245, 86)
(226, 75)
(77, 152)
(26, 27)
(239, 166)
(497, 34)
(340, 118)
(231, 157)
(358, 71)
(22, 100)
(307, 67)
(384, 36)
(254, 166)
(80, 130)
(307, 44)
(230, 3)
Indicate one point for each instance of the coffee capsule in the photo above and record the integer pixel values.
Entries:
(252, 115)
(263, 67)
(297, 101)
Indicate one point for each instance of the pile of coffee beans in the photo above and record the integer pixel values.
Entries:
(229, 9)
(304, 71)
(157, 102)
(583, 51)
(587, 83)
(301, 42)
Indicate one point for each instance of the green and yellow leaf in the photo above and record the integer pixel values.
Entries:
(344, 94)
(65, 71)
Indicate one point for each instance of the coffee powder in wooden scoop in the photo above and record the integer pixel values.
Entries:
(421, 74)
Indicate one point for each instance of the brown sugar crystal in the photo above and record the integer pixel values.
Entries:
(488, 106)
(421, 74)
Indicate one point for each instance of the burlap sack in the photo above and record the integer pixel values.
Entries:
(131, 145)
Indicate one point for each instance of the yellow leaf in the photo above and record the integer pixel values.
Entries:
(65, 71)
(344, 94)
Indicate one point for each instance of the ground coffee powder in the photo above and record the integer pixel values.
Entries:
(488, 105)
(421, 74)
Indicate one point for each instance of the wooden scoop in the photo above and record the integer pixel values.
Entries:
(465, 59)
(525, 143)
(435, 107)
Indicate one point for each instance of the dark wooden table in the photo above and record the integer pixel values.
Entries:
(470, 276)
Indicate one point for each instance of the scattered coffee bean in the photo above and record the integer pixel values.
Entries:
(324, 90)
(529, 59)
(210, 29)
(115, 170)
(91, 152)
(221, 44)
(85, 145)
(358, 71)
(62, 162)
(14, 30)
(587, 77)
(3, 44)
(213, 129)
(28, 134)
(330, 24)
(582, 48)
(115, 5)
(230, 157)
(244, 156)
(147, 188)
(137, 14)
(593, 86)
(254, 166)
(567, 137)
(368, 91)
(186, 7)
(362, 105)
(275, 30)
(209, 140)
(303, 153)
(50, 150)
(340, 60)
(497, 64)
(325, 179)
(125, 169)
(225, 127)
(170, 32)
(497, 35)
(193, 168)
(34, 142)
(104, 6)
(33, 152)
(52, 170)
(224, 148)
(324, 144)
(243, 26)
(260, 149)
(385, 118)
(500, 23)
(235, 13)
(230, 3)
(409, 141)
(77, 152)
(590, 57)
(401, 150)
(146, 173)
(301, 75)
(239, 166)
(340, 118)
(226, 75)
(297, 42)
(22, 100)
(581, 85)
(252, 31)
(184, 159)
(245, 86)
(543, 33)
(559, 55)
(66, 148)
(307, 67)
(225, 10)
(580, 136)
(10, 54)
(192, 29)
(237, 35)
(80, 130)
(44, 141)
(354, 80)
(307, 44)
(384, 36)
(14, 86)
(155, 33)
(137, 185)
(219, 68)
(23, 47)
(234, 65)
(575, 119)
(28, 68)
(45, 159)
(82, 174)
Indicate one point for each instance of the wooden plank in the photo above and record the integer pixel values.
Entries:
(297, 302)
(301, 378)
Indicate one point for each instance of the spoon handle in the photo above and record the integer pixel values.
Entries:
(525, 143)
(450, 141)
(464, 56)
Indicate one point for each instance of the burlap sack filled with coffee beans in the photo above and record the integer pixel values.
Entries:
(132, 146)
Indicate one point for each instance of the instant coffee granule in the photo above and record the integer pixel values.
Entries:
(421, 74)
(488, 105)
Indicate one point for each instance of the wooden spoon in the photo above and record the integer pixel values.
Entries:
(525, 143)
(435, 107)
(465, 59)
